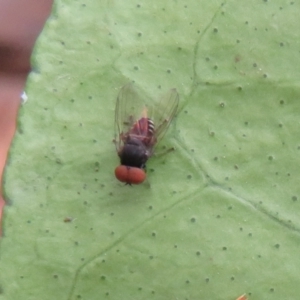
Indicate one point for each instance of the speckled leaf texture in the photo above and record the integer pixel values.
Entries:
(219, 216)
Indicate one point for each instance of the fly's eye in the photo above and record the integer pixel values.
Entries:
(131, 175)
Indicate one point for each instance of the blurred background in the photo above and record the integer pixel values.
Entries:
(20, 25)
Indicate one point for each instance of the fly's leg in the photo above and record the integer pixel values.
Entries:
(164, 151)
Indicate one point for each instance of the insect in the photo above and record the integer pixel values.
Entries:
(140, 123)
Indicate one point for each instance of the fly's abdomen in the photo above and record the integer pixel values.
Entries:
(143, 130)
(150, 127)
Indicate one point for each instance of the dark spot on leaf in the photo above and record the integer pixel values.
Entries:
(224, 248)
(277, 246)
(206, 280)
(294, 198)
(215, 30)
(68, 219)
(103, 277)
(193, 220)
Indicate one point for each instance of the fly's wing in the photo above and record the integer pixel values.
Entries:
(164, 112)
(129, 109)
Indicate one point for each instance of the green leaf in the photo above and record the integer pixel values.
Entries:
(218, 217)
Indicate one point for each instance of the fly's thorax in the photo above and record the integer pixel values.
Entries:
(134, 153)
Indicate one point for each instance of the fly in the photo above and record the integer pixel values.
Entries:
(140, 124)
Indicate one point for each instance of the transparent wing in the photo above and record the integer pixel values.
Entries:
(164, 112)
(129, 108)
(132, 105)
